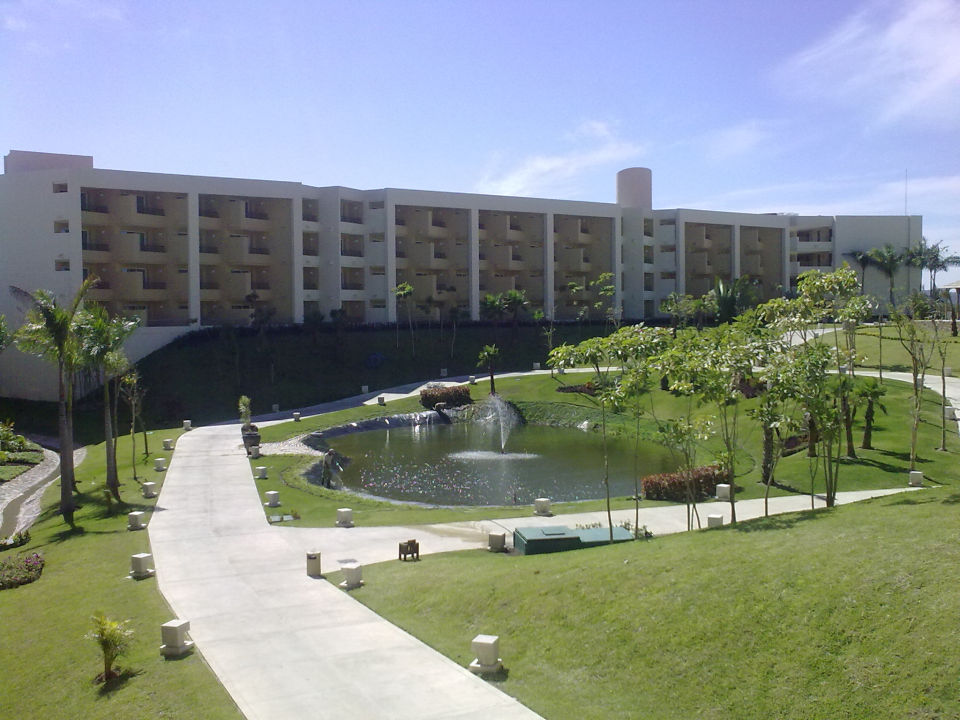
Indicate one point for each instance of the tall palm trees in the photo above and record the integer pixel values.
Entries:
(101, 347)
(887, 260)
(49, 331)
(863, 260)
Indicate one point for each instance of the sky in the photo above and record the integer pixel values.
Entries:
(820, 107)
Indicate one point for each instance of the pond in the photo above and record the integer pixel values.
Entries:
(461, 464)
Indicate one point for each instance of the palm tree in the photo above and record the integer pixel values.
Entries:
(514, 301)
(888, 260)
(101, 347)
(871, 392)
(938, 261)
(863, 260)
(49, 331)
(404, 291)
(488, 358)
(492, 307)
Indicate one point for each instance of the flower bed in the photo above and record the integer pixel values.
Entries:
(20, 570)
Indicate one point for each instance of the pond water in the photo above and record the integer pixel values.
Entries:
(461, 464)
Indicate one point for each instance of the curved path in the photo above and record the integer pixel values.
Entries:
(288, 646)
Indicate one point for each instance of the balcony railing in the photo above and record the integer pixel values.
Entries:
(439, 223)
(97, 247)
(352, 219)
(439, 255)
(259, 286)
(310, 217)
(143, 210)
(154, 285)
(259, 251)
(210, 249)
(149, 247)
(351, 285)
(208, 285)
(91, 207)
(206, 212)
(351, 252)
(255, 215)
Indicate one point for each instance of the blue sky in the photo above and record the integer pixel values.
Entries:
(755, 105)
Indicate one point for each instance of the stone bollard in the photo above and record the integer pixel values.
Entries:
(313, 563)
(159, 464)
(174, 636)
(149, 489)
(261, 472)
(186, 425)
(541, 506)
(723, 492)
(255, 451)
(273, 498)
(381, 400)
(916, 478)
(948, 371)
(497, 542)
(536, 366)
(487, 650)
(140, 566)
(344, 517)
(168, 444)
(714, 521)
(473, 379)
(352, 575)
(275, 407)
(135, 520)
(949, 413)
(443, 372)
(364, 389)
(296, 417)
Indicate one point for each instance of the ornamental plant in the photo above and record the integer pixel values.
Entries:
(114, 639)
(20, 570)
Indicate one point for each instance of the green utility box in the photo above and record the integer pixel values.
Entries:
(557, 538)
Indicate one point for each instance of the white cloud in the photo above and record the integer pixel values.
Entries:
(893, 60)
(736, 140)
(556, 174)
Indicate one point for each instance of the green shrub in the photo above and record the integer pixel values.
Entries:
(113, 637)
(9, 440)
(453, 396)
(20, 570)
(670, 486)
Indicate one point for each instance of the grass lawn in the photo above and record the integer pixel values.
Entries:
(895, 358)
(536, 396)
(17, 463)
(50, 667)
(843, 613)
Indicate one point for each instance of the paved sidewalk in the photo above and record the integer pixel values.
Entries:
(285, 645)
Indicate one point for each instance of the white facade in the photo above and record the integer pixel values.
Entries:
(188, 251)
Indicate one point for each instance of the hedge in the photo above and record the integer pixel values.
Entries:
(453, 396)
(670, 486)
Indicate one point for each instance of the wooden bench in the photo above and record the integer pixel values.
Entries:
(409, 548)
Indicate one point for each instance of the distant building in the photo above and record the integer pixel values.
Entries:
(184, 251)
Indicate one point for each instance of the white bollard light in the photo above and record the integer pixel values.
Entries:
(381, 400)
(273, 498)
(723, 491)
(948, 371)
(473, 379)
(140, 566)
(916, 478)
(186, 425)
(344, 517)
(443, 372)
(714, 521)
(261, 472)
(255, 451)
(174, 636)
(313, 563)
(168, 444)
(536, 366)
(352, 575)
(949, 413)
(159, 464)
(487, 650)
(497, 542)
(364, 389)
(276, 407)
(149, 489)
(135, 520)
(541, 506)
(296, 417)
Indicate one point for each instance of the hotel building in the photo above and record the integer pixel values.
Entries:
(184, 251)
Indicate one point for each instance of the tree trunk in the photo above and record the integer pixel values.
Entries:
(113, 482)
(766, 464)
(606, 468)
(943, 406)
(868, 426)
(848, 425)
(813, 437)
(880, 350)
(66, 452)
(493, 389)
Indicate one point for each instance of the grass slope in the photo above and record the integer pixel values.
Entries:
(847, 613)
(50, 667)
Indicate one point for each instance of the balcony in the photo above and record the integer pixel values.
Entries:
(351, 285)
(212, 249)
(149, 247)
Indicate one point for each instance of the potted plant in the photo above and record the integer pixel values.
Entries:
(250, 432)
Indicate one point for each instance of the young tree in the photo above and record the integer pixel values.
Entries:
(916, 338)
(404, 291)
(871, 394)
(941, 344)
(488, 359)
(101, 348)
(133, 392)
(49, 331)
(113, 638)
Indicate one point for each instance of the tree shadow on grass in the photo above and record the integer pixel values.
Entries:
(778, 522)
(951, 499)
(909, 499)
(117, 681)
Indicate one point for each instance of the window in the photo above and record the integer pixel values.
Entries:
(61, 265)
(668, 221)
(668, 275)
(61, 226)
(60, 187)
(375, 205)
(377, 271)
(378, 304)
(648, 227)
